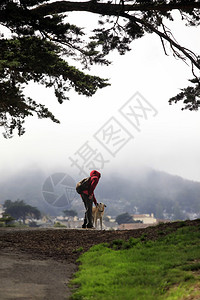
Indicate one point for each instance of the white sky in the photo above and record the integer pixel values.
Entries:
(169, 141)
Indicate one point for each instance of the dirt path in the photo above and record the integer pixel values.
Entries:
(24, 277)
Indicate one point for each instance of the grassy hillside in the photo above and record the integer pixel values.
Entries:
(143, 269)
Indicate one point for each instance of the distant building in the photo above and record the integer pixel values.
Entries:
(69, 222)
(145, 218)
(130, 226)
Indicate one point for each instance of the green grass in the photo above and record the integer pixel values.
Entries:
(168, 268)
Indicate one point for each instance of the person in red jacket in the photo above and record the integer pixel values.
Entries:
(88, 198)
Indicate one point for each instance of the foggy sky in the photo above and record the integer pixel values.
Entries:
(168, 139)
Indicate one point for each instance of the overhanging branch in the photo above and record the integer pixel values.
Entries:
(189, 54)
(109, 8)
(121, 9)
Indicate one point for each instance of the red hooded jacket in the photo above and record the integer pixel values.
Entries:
(95, 175)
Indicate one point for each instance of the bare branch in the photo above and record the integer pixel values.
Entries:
(163, 45)
(189, 54)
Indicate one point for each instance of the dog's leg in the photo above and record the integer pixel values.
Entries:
(96, 222)
(101, 222)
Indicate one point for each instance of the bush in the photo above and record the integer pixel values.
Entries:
(58, 224)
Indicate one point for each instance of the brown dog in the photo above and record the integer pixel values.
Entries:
(97, 213)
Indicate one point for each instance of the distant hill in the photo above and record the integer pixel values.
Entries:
(149, 191)
(165, 195)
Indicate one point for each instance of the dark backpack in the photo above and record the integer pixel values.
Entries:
(83, 185)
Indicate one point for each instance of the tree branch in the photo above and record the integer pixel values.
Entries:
(119, 10)
(189, 54)
(109, 8)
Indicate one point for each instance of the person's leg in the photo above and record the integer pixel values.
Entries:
(88, 206)
(85, 218)
(89, 213)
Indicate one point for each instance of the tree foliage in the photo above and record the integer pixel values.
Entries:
(6, 219)
(20, 210)
(42, 41)
(70, 213)
(125, 218)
